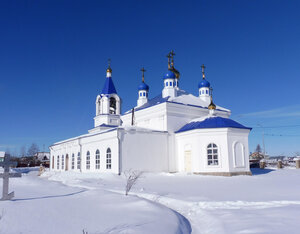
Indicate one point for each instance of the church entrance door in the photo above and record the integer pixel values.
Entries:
(188, 161)
(67, 162)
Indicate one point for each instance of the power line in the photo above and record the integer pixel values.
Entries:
(283, 126)
(281, 135)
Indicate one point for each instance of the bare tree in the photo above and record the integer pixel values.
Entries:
(23, 151)
(131, 179)
(33, 149)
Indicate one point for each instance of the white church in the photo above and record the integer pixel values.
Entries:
(172, 132)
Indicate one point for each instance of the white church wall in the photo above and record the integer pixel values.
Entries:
(167, 116)
(90, 143)
(144, 150)
(197, 141)
(101, 142)
(151, 118)
(238, 150)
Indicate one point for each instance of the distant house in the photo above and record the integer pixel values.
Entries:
(258, 156)
(42, 156)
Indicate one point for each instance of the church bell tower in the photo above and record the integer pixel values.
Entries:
(108, 104)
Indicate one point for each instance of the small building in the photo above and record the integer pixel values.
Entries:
(42, 156)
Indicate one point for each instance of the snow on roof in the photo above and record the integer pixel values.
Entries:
(140, 129)
(126, 128)
(212, 122)
(183, 98)
(85, 135)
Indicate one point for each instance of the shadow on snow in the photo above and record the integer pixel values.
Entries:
(258, 171)
(52, 196)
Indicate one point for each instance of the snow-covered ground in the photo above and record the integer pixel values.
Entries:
(267, 202)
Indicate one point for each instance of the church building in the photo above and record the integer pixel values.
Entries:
(172, 132)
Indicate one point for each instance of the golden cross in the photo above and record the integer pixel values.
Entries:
(169, 56)
(172, 56)
(203, 68)
(143, 71)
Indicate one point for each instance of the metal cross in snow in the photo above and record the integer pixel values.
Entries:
(6, 175)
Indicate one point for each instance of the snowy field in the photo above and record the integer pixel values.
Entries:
(63, 203)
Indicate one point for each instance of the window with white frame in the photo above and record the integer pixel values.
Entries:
(57, 165)
(108, 158)
(62, 162)
(73, 161)
(97, 162)
(78, 161)
(212, 154)
(88, 160)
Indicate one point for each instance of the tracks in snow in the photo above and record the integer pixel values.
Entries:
(198, 213)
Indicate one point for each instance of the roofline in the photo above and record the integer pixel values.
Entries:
(129, 111)
(246, 128)
(82, 136)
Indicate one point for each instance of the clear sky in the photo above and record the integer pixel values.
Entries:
(53, 57)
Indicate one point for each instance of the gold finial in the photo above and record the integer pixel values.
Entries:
(143, 71)
(109, 68)
(203, 68)
(211, 106)
(169, 57)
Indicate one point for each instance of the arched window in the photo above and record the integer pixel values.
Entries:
(239, 158)
(57, 165)
(167, 83)
(73, 161)
(171, 83)
(88, 160)
(52, 162)
(62, 162)
(112, 105)
(78, 161)
(108, 158)
(212, 154)
(140, 94)
(144, 94)
(97, 162)
(206, 91)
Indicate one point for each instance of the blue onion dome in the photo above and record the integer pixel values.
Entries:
(203, 84)
(169, 75)
(143, 86)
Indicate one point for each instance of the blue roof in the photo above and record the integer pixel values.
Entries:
(170, 75)
(109, 87)
(212, 122)
(203, 83)
(143, 86)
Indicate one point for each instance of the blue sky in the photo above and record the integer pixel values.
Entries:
(54, 56)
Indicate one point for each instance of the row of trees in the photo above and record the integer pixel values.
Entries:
(32, 150)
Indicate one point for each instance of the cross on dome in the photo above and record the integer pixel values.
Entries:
(109, 68)
(169, 57)
(203, 72)
(143, 71)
